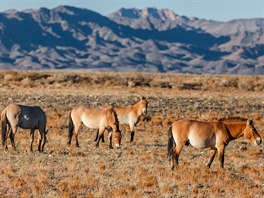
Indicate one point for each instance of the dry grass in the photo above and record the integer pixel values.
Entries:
(138, 169)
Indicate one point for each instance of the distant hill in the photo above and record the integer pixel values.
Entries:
(155, 40)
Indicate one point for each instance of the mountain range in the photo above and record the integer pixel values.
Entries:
(148, 40)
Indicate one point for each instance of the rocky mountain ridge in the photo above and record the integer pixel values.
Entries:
(150, 40)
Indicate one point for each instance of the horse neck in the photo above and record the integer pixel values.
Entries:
(137, 109)
(236, 129)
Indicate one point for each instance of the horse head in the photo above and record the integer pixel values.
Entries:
(144, 105)
(117, 138)
(114, 124)
(251, 133)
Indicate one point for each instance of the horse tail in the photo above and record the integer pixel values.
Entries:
(4, 127)
(171, 143)
(71, 127)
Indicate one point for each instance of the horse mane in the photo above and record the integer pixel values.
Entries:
(111, 108)
(141, 98)
(115, 115)
(232, 119)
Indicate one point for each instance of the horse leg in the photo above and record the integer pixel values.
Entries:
(76, 140)
(12, 139)
(12, 136)
(132, 131)
(7, 135)
(102, 137)
(175, 157)
(32, 139)
(97, 132)
(96, 137)
(43, 141)
(110, 139)
(76, 128)
(212, 155)
(101, 132)
(40, 137)
(221, 153)
(74, 125)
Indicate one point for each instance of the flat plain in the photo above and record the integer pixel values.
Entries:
(141, 168)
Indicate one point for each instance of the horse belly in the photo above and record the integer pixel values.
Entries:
(197, 143)
(27, 122)
(123, 120)
(200, 141)
(91, 124)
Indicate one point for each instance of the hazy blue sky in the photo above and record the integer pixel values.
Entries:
(222, 10)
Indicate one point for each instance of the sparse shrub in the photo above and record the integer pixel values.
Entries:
(37, 76)
(18, 182)
(190, 86)
(26, 82)
(9, 77)
(120, 192)
(229, 82)
(246, 85)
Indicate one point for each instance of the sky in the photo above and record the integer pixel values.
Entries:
(220, 10)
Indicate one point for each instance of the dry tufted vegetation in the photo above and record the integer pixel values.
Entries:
(141, 168)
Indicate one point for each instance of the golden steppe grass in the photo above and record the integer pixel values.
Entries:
(141, 168)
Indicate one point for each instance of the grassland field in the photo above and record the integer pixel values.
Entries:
(141, 168)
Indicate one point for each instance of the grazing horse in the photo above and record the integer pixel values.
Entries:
(215, 135)
(130, 115)
(95, 119)
(25, 117)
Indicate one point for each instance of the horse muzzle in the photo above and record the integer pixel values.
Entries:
(117, 146)
(258, 141)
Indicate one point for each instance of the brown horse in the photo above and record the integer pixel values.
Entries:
(214, 135)
(25, 117)
(95, 119)
(130, 115)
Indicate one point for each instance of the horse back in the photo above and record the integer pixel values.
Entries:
(92, 118)
(33, 111)
(200, 134)
(26, 116)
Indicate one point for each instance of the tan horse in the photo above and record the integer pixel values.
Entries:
(95, 119)
(130, 115)
(26, 117)
(214, 135)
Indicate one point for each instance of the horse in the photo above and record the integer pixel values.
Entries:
(213, 135)
(101, 119)
(25, 117)
(130, 115)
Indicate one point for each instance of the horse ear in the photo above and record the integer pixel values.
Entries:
(112, 107)
(249, 122)
(142, 98)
